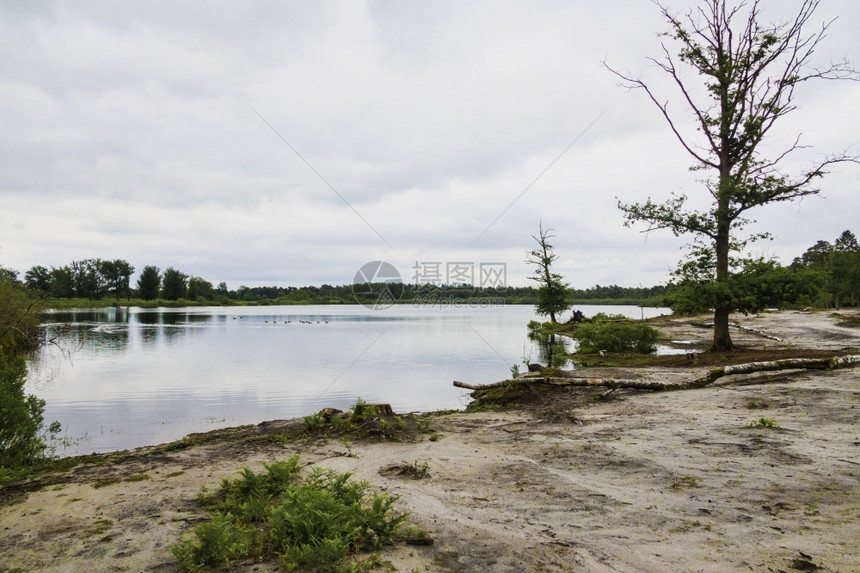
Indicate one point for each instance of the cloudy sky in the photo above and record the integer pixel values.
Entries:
(290, 142)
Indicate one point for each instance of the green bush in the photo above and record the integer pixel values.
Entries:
(216, 542)
(19, 317)
(615, 334)
(312, 524)
(20, 416)
(22, 442)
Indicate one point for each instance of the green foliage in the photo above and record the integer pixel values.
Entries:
(838, 265)
(199, 288)
(149, 283)
(314, 422)
(753, 286)
(414, 535)
(215, 543)
(763, 423)
(614, 334)
(19, 317)
(87, 278)
(844, 280)
(38, 279)
(312, 524)
(21, 415)
(174, 284)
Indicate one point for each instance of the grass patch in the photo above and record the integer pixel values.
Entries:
(35, 471)
(763, 424)
(136, 477)
(179, 445)
(318, 523)
(98, 484)
(414, 535)
(757, 405)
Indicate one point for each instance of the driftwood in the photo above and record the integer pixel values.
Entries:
(709, 378)
(741, 327)
(755, 331)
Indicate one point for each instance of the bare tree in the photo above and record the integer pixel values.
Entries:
(552, 293)
(750, 70)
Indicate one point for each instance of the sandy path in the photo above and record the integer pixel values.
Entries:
(644, 482)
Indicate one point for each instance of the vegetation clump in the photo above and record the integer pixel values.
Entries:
(763, 424)
(365, 421)
(603, 333)
(319, 523)
(614, 333)
(24, 441)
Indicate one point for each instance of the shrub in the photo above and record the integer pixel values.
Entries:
(21, 415)
(312, 524)
(615, 334)
(19, 317)
(215, 542)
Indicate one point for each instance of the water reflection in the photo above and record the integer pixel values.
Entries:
(552, 349)
(116, 329)
(121, 378)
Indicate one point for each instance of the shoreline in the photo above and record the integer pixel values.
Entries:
(644, 481)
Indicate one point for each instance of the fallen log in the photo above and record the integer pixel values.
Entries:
(755, 331)
(709, 378)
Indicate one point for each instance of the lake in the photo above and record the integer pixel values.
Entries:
(119, 378)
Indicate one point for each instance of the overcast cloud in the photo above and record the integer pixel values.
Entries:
(152, 132)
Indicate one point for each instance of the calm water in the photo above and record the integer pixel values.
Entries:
(123, 378)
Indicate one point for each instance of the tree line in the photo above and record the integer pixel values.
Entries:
(836, 268)
(97, 279)
(825, 275)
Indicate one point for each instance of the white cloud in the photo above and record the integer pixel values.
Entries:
(131, 131)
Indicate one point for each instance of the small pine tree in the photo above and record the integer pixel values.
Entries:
(552, 293)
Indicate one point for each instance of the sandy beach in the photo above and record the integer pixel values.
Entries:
(638, 481)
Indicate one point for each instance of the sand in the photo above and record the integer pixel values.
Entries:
(643, 481)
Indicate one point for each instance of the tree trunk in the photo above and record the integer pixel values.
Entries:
(725, 191)
(722, 338)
